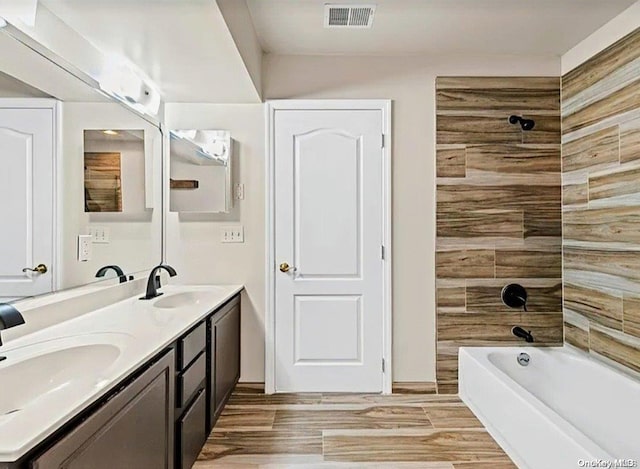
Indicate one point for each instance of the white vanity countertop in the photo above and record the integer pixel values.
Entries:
(51, 375)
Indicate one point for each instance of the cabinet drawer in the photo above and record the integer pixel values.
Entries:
(191, 345)
(190, 380)
(191, 432)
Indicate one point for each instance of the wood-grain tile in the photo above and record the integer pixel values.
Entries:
(575, 194)
(616, 263)
(476, 129)
(495, 328)
(618, 102)
(485, 465)
(378, 417)
(445, 387)
(598, 148)
(601, 65)
(469, 224)
(221, 444)
(631, 315)
(630, 141)
(597, 306)
(393, 399)
(505, 99)
(465, 264)
(249, 388)
(515, 84)
(245, 419)
(450, 417)
(615, 349)
(510, 159)
(576, 336)
(509, 201)
(606, 225)
(451, 297)
(546, 131)
(414, 387)
(430, 446)
(528, 264)
(274, 399)
(467, 197)
(451, 162)
(488, 299)
(614, 184)
(545, 222)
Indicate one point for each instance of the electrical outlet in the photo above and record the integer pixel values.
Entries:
(100, 234)
(233, 234)
(239, 191)
(85, 248)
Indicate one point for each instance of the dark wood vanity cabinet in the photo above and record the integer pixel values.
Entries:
(160, 416)
(223, 331)
(132, 429)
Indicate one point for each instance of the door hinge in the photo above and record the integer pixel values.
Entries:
(382, 253)
(382, 145)
(383, 366)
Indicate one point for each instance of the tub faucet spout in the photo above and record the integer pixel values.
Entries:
(520, 332)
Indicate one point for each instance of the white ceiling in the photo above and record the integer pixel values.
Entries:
(184, 46)
(412, 27)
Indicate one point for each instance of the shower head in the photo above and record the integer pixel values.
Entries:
(526, 124)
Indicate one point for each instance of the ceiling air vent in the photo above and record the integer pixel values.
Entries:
(348, 15)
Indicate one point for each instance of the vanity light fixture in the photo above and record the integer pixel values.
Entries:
(110, 132)
(120, 81)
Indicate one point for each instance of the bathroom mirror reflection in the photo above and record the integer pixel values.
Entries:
(114, 171)
(80, 179)
(201, 171)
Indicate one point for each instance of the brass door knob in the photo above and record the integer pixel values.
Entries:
(41, 269)
(284, 267)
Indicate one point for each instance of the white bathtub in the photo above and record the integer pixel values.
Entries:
(565, 410)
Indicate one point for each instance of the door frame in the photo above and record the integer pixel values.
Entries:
(385, 107)
(56, 167)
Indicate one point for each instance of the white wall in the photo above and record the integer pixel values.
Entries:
(623, 24)
(238, 19)
(193, 241)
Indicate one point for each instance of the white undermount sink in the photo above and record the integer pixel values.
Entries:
(44, 370)
(178, 300)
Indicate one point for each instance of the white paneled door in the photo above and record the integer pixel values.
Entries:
(328, 228)
(26, 192)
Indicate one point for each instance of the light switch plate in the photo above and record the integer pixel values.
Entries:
(100, 234)
(85, 248)
(233, 234)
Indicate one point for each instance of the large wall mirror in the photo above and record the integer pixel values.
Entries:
(80, 180)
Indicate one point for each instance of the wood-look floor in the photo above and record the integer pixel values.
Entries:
(348, 431)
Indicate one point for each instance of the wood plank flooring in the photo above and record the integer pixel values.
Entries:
(297, 431)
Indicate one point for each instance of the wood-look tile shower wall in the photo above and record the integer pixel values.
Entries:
(601, 203)
(498, 213)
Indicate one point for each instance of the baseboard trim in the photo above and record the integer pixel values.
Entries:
(414, 387)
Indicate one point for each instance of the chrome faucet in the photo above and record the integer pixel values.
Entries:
(9, 317)
(520, 332)
(119, 272)
(154, 281)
